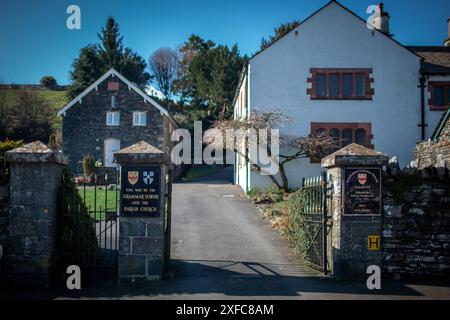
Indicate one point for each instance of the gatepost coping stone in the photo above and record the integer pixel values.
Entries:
(355, 155)
(141, 152)
(35, 152)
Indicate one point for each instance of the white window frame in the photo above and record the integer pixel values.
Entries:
(113, 101)
(140, 114)
(115, 116)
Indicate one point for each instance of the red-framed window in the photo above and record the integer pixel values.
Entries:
(439, 95)
(340, 84)
(344, 133)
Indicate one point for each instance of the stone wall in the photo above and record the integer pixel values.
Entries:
(4, 218)
(434, 154)
(141, 244)
(416, 224)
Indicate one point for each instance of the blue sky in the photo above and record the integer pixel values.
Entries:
(34, 40)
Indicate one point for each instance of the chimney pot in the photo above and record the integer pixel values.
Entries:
(381, 20)
(447, 41)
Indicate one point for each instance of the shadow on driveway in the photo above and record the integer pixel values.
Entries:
(216, 280)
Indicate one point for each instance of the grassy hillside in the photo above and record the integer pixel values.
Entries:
(56, 99)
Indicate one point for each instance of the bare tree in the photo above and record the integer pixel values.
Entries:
(291, 147)
(163, 64)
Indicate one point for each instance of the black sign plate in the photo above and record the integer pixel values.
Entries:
(140, 191)
(362, 191)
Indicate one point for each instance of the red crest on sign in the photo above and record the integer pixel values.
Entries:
(362, 178)
(133, 177)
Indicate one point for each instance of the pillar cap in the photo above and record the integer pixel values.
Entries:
(36, 152)
(355, 154)
(141, 152)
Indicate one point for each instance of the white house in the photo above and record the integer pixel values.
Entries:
(333, 73)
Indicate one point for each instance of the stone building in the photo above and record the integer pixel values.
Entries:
(110, 115)
(435, 152)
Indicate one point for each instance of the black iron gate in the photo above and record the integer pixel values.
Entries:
(315, 220)
(88, 224)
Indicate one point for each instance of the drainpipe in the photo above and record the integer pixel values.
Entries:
(422, 86)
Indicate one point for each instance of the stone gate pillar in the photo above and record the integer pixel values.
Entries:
(355, 174)
(36, 177)
(142, 227)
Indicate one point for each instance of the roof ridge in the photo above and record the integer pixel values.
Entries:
(113, 72)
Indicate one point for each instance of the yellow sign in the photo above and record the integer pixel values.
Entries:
(374, 243)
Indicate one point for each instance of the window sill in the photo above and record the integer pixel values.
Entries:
(340, 98)
(436, 108)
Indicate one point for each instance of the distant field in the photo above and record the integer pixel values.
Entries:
(56, 99)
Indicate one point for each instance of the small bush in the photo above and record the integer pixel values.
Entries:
(77, 228)
(297, 230)
(271, 195)
(254, 192)
(88, 165)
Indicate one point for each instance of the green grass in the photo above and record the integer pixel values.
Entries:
(55, 98)
(97, 200)
(198, 172)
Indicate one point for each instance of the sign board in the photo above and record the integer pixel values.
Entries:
(140, 193)
(362, 191)
(373, 243)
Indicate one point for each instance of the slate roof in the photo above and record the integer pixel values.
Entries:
(436, 58)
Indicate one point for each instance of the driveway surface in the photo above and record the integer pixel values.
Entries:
(221, 249)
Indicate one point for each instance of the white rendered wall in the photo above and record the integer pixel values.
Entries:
(334, 38)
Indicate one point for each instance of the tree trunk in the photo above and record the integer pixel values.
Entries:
(284, 179)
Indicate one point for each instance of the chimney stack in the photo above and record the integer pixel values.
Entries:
(447, 41)
(381, 20)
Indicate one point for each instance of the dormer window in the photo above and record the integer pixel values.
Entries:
(112, 118)
(139, 118)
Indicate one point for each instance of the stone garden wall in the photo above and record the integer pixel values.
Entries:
(435, 153)
(4, 213)
(416, 223)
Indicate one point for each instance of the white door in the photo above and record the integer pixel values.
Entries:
(111, 146)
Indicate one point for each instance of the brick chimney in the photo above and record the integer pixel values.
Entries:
(381, 20)
(447, 41)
